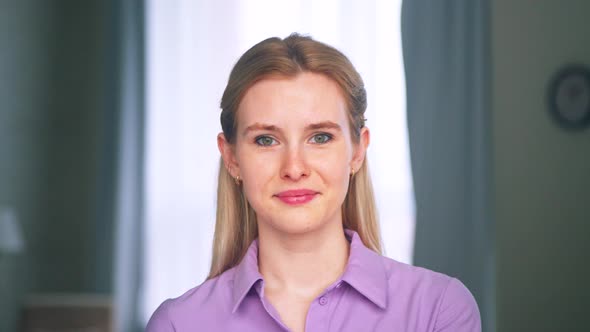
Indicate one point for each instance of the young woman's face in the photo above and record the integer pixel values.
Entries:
(294, 151)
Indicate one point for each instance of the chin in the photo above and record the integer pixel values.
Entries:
(295, 222)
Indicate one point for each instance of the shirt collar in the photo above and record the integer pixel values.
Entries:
(364, 272)
(246, 275)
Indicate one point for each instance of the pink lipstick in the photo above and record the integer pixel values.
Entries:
(296, 197)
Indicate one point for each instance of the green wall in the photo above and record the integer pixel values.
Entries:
(542, 173)
(53, 93)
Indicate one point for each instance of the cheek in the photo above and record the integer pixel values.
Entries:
(334, 167)
(256, 171)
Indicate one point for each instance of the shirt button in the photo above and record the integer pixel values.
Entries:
(323, 300)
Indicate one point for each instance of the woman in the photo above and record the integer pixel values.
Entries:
(297, 245)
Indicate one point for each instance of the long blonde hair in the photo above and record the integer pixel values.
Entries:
(236, 224)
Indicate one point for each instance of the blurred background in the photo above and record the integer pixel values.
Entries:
(108, 117)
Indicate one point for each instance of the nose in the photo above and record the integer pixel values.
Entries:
(294, 166)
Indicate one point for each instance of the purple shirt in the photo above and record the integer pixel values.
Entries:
(375, 293)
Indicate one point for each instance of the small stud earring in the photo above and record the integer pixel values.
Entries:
(352, 171)
(237, 179)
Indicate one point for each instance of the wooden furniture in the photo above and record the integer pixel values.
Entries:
(67, 313)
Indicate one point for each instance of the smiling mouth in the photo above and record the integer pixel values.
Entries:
(297, 197)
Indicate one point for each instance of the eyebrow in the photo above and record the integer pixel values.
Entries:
(314, 126)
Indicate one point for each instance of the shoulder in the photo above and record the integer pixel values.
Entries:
(458, 310)
(402, 276)
(193, 306)
(451, 304)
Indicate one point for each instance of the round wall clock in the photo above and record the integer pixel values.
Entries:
(569, 97)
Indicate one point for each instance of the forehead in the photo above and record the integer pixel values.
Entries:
(288, 101)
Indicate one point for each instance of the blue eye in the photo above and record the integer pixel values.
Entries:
(321, 138)
(265, 140)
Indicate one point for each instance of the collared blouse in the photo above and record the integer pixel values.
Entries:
(375, 293)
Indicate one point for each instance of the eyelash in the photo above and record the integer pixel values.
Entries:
(328, 137)
(258, 139)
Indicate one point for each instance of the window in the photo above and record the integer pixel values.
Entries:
(191, 48)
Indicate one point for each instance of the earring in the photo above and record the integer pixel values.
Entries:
(352, 171)
(237, 180)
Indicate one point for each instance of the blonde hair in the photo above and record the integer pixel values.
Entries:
(236, 224)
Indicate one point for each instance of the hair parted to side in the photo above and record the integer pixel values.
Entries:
(236, 224)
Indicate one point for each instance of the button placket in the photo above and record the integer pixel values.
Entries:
(318, 314)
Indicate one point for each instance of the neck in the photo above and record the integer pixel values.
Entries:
(302, 264)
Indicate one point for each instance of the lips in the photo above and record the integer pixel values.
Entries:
(297, 197)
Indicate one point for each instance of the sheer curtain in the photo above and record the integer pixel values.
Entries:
(191, 47)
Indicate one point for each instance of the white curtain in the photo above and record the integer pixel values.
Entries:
(191, 48)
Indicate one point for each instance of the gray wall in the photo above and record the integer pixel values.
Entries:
(53, 93)
(542, 172)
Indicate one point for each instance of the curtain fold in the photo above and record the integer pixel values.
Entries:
(128, 151)
(446, 57)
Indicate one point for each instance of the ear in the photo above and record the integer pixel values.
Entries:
(360, 149)
(228, 154)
